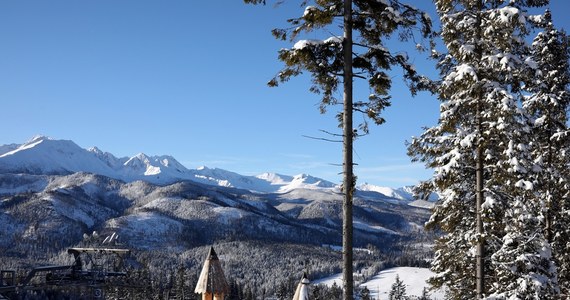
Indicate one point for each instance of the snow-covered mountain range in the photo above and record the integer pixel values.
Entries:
(46, 156)
(55, 195)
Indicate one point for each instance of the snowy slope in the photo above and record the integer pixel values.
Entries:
(108, 158)
(156, 169)
(43, 155)
(404, 193)
(265, 183)
(8, 148)
(379, 286)
(422, 204)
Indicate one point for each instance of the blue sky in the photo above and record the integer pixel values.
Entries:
(188, 79)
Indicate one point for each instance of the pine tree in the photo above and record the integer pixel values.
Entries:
(181, 289)
(398, 290)
(548, 106)
(248, 293)
(479, 150)
(524, 264)
(365, 294)
(341, 58)
(335, 292)
(316, 292)
(234, 290)
(281, 293)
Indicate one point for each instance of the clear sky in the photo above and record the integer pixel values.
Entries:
(188, 79)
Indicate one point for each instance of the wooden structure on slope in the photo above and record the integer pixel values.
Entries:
(93, 269)
(302, 292)
(212, 283)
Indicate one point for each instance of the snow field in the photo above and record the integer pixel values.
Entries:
(380, 285)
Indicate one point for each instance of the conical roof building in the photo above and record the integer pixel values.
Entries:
(302, 292)
(212, 283)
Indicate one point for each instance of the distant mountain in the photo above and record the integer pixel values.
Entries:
(46, 156)
(42, 155)
(55, 195)
(264, 183)
(150, 216)
(403, 193)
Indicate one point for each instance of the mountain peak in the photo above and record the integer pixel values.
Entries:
(44, 155)
(274, 178)
(301, 176)
(38, 137)
(140, 156)
(400, 193)
(141, 163)
(95, 150)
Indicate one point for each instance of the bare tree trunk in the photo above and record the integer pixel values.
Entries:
(480, 249)
(480, 254)
(552, 201)
(348, 164)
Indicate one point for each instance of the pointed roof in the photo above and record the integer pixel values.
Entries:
(302, 292)
(212, 279)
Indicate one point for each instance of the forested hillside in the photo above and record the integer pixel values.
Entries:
(265, 241)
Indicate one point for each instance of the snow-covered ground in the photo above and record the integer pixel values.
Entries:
(380, 285)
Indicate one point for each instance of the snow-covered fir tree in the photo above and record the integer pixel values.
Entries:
(365, 294)
(398, 290)
(548, 105)
(480, 149)
(524, 268)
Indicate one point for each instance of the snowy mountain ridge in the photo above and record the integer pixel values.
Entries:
(47, 156)
(56, 195)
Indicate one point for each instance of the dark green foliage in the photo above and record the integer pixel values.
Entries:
(365, 294)
(334, 293)
(398, 290)
(373, 22)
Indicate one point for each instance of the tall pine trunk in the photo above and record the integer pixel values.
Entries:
(348, 164)
(480, 255)
(480, 249)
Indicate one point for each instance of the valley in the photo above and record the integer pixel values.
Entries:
(266, 237)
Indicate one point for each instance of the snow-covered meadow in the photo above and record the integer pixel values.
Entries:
(380, 285)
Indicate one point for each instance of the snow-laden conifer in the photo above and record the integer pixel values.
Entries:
(480, 147)
(524, 267)
(398, 290)
(548, 105)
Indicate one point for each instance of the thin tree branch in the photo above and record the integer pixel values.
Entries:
(322, 139)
